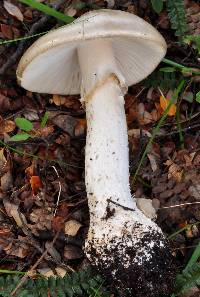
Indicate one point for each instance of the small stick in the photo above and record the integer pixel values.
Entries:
(60, 189)
(180, 205)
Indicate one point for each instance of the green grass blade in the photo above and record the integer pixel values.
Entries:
(194, 258)
(44, 119)
(23, 38)
(157, 128)
(180, 67)
(11, 272)
(48, 10)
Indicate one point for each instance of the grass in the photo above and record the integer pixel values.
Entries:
(23, 153)
(22, 38)
(184, 69)
(194, 258)
(48, 10)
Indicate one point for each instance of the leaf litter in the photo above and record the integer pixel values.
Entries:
(29, 187)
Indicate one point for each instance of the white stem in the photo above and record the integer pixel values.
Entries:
(121, 240)
(106, 158)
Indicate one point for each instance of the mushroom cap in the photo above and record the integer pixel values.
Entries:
(51, 64)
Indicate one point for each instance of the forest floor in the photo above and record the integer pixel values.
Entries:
(37, 171)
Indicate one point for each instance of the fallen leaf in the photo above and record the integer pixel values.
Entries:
(146, 206)
(46, 131)
(153, 162)
(36, 184)
(57, 223)
(9, 126)
(52, 251)
(6, 126)
(72, 252)
(194, 191)
(6, 181)
(65, 122)
(31, 115)
(72, 227)
(7, 31)
(46, 272)
(5, 232)
(18, 249)
(41, 217)
(60, 271)
(12, 210)
(164, 102)
(5, 104)
(174, 171)
(80, 128)
(58, 100)
(144, 117)
(63, 209)
(3, 161)
(137, 133)
(13, 10)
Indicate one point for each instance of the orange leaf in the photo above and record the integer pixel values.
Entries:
(164, 102)
(57, 223)
(183, 224)
(36, 183)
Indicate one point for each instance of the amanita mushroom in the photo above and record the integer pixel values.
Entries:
(100, 55)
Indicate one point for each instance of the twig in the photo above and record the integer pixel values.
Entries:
(180, 205)
(60, 189)
(35, 27)
(122, 206)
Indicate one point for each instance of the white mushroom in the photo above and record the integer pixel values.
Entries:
(100, 55)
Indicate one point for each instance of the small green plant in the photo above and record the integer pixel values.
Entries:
(198, 97)
(176, 13)
(27, 128)
(177, 16)
(190, 276)
(157, 5)
(193, 40)
(82, 283)
(163, 79)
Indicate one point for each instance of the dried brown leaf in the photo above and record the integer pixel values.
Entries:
(66, 123)
(72, 227)
(13, 211)
(153, 162)
(7, 31)
(7, 181)
(13, 10)
(72, 252)
(174, 171)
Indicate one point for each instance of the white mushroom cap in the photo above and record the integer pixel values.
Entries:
(51, 64)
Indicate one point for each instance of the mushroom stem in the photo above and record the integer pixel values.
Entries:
(106, 160)
(122, 243)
